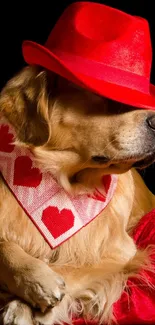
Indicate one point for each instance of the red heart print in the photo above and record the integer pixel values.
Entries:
(5, 139)
(98, 196)
(57, 222)
(106, 179)
(24, 174)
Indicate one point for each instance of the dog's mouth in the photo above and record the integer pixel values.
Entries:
(118, 166)
(139, 162)
(143, 163)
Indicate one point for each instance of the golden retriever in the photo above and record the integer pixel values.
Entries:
(78, 136)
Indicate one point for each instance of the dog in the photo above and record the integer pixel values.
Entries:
(78, 136)
(96, 262)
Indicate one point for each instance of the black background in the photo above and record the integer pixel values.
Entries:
(34, 21)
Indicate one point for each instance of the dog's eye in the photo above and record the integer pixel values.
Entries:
(100, 159)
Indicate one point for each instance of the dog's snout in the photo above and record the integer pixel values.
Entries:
(151, 122)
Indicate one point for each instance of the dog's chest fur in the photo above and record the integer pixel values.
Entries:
(95, 238)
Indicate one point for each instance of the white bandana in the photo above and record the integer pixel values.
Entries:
(55, 213)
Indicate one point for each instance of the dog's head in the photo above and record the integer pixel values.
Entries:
(75, 134)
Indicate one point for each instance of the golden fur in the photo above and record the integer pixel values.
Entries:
(66, 127)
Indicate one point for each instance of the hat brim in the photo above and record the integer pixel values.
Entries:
(36, 54)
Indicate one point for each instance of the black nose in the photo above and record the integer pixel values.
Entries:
(151, 122)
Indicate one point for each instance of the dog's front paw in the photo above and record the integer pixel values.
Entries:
(17, 313)
(40, 286)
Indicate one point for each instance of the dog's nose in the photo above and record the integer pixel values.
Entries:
(151, 122)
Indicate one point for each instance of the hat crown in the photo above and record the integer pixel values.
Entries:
(100, 33)
(92, 19)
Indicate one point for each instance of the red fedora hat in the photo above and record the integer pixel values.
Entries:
(102, 49)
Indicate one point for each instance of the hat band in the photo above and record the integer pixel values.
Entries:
(102, 71)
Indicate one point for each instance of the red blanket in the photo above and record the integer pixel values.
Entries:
(138, 307)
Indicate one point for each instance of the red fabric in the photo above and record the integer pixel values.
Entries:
(87, 48)
(138, 306)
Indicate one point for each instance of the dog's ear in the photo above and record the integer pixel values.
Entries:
(24, 102)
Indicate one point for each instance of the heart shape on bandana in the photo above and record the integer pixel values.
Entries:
(57, 222)
(106, 179)
(5, 139)
(98, 196)
(25, 174)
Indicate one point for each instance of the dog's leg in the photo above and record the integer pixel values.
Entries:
(29, 278)
(16, 313)
(91, 294)
(13, 311)
(93, 290)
